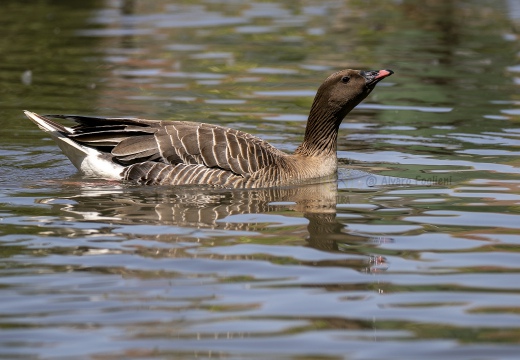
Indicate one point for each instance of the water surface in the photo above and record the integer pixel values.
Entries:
(411, 253)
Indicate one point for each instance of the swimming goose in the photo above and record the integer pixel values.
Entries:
(184, 152)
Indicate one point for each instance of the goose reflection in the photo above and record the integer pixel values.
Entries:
(227, 210)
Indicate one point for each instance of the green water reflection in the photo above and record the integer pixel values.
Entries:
(424, 264)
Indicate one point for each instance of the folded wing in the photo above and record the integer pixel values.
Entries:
(132, 141)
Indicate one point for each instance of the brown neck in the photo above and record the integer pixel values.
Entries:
(321, 133)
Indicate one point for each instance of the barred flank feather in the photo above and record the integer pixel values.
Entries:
(149, 172)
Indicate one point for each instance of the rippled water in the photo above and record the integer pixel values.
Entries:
(412, 253)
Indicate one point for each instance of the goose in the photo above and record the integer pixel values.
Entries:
(157, 152)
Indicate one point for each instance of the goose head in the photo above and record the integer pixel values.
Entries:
(345, 89)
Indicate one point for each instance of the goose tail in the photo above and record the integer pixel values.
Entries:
(86, 159)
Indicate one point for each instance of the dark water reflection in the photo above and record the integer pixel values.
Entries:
(411, 253)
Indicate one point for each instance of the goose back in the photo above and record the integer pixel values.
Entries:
(181, 152)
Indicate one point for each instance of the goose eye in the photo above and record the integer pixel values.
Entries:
(345, 79)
